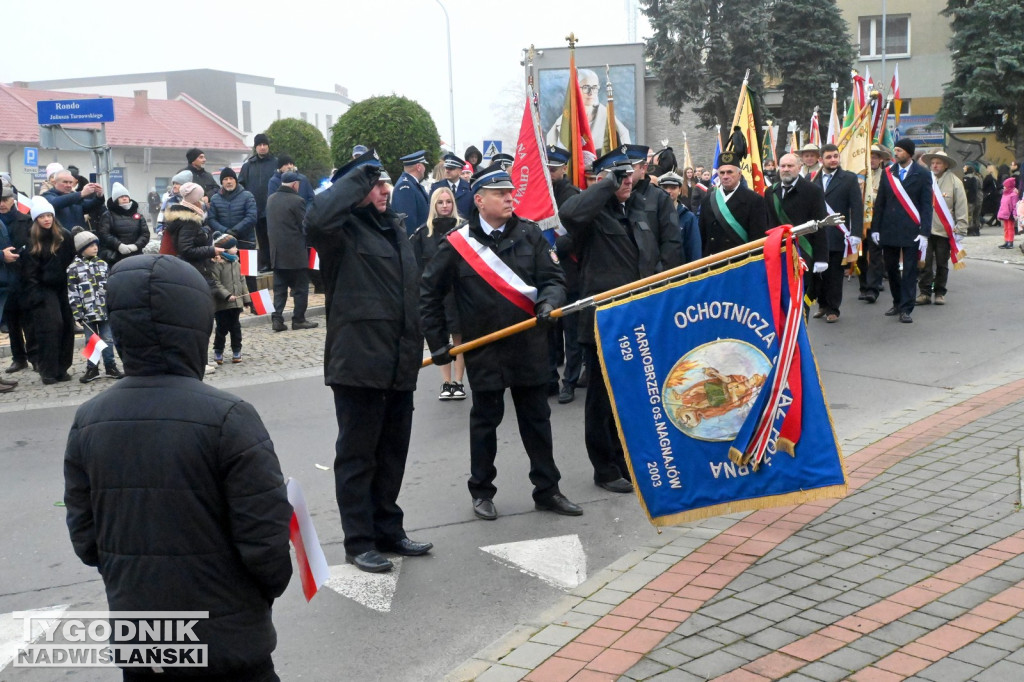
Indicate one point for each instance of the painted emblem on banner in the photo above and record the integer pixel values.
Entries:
(710, 390)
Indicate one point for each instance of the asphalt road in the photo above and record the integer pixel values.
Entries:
(459, 599)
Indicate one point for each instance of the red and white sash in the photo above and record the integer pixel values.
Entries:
(850, 243)
(901, 195)
(702, 186)
(941, 209)
(493, 270)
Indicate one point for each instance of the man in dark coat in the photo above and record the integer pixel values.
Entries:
(900, 224)
(71, 206)
(372, 355)
(409, 197)
(255, 176)
(730, 215)
(459, 187)
(793, 201)
(616, 245)
(842, 196)
(14, 235)
(288, 254)
(658, 205)
(197, 167)
(173, 528)
(234, 211)
(498, 245)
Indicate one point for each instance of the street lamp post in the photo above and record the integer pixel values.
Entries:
(451, 86)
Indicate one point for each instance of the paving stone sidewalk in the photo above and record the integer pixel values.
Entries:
(917, 574)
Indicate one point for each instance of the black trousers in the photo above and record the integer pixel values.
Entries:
(573, 349)
(871, 264)
(903, 286)
(263, 244)
(227, 323)
(369, 463)
(534, 416)
(20, 329)
(54, 328)
(298, 282)
(600, 433)
(830, 284)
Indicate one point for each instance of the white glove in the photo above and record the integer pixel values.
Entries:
(875, 237)
(820, 268)
(124, 249)
(855, 241)
(133, 247)
(922, 242)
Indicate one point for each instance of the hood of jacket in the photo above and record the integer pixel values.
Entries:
(179, 212)
(161, 315)
(1009, 184)
(129, 210)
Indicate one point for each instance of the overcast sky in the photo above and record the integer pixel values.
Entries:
(372, 48)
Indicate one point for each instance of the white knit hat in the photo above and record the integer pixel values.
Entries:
(118, 191)
(39, 206)
(52, 168)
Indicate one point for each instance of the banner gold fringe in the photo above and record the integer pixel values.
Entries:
(753, 504)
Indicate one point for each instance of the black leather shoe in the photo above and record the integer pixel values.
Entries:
(484, 509)
(559, 504)
(406, 547)
(567, 395)
(905, 318)
(619, 485)
(371, 562)
(64, 377)
(892, 312)
(862, 297)
(871, 298)
(17, 366)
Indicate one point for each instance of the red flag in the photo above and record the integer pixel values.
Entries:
(93, 351)
(314, 260)
(575, 133)
(815, 129)
(247, 261)
(263, 302)
(533, 198)
(313, 568)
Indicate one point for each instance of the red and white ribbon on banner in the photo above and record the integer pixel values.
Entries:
(493, 270)
(956, 252)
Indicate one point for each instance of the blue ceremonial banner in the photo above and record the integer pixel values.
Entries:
(689, 367)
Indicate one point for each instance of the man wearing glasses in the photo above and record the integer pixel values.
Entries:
(597, 113)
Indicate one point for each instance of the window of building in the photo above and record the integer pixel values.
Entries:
(897, 36)
(246, 116)
(305, 116)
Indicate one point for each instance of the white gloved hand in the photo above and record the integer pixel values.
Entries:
(875, 237)
(922, 242)
(133, 247)
(820, 268)
(124, 249)
(855, 241)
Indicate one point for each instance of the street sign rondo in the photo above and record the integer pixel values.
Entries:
(61, 111)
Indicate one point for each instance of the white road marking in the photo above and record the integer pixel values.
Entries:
(372, 590)
(12, 631)
(558, 561)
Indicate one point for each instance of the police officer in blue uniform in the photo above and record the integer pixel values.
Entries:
(409, 197)
(453, 181)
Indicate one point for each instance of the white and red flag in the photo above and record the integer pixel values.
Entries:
(833, 123)
(895, 88)
(533, 197)
(93, 351)
(247, 261)
(263, 302)
(314, 260)
(815, 129)
(313, 568)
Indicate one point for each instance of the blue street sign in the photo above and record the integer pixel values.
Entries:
(31, 157)
(491, 148)
(60, 111)
(116, 175)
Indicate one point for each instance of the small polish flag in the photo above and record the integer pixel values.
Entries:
(313, 568)
(24, 203)
(314, 260)
(93, 351)
(263, 302)
(247, 261)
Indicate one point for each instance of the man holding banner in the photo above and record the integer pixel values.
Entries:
(730, 215)
(900, 224)
(616, 245)
(503, 271)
